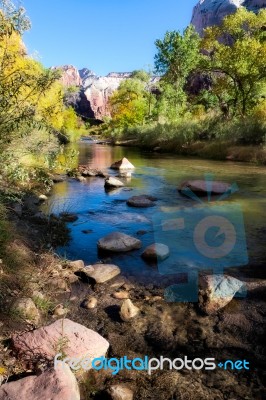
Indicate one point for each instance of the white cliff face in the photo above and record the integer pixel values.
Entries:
(211, 12)
(70, 75)
(92, 100)
(99, 89)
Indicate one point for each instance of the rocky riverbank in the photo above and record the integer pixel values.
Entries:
(50, 305)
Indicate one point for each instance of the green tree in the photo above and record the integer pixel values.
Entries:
(177, 56)
(236, 58)
(132, 103)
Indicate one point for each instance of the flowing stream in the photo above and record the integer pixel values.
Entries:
(100, 212)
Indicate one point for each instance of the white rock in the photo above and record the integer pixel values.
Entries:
(113, 182)
(102, 272)
(120, 392)
(90, 303)
(123, 164)
(26, 308)
(128, 310)
(216, 291)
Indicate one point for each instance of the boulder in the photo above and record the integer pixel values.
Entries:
(199, 187)
(141, 201)
(102, 272)
(216, 291)
(54, 384)
(156, 251)
(27, 309)
(118, 242)
(63, 336)
(112, 182)
(128, 310)
(122, 164)
(76, 265)
(120, 392)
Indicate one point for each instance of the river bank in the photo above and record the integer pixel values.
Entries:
(220, 150)
(60, 287)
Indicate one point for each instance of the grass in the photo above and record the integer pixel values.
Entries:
(46, 306)
(211, 137)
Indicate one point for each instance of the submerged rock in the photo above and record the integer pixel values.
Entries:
(156, 251)
(123, 164)
(102, 272)
(141, 201)
(119, 242)
(216, 291)
(54, 384)
(128, 310)
(200, 187)
(112, 182)
(68, 217)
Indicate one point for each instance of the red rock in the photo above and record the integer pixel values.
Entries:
(59, 384)
(63, 336)
(70, 76)
(199, 187)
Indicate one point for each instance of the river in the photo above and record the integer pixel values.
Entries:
(102, 212)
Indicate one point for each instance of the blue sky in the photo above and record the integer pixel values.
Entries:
(102, 35)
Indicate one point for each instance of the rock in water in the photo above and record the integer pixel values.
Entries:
(141, 201)
(156, 251)
(128, 310)
(102, 272)
(123, 164)
(112, 182)
(120, 392)
(216, 291)
(63, 336)
(212, 12)
(54, 384)
(119, 242)
(199, 187)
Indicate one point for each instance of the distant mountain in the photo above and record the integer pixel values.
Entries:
(91, 101)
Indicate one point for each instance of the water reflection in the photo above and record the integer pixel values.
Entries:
(102, 212)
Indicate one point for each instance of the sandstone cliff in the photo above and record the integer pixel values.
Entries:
(70, 76)
(211, 12)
